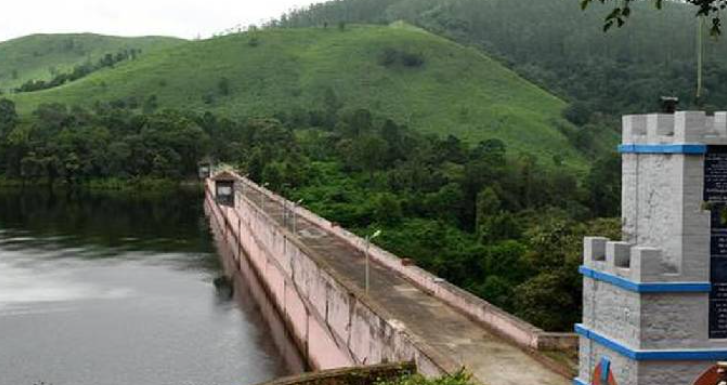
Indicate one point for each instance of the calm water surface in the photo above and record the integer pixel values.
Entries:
(99, 289)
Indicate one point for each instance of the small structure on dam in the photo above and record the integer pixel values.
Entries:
(655, 304)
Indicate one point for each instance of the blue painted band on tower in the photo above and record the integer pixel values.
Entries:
(690, 149)
(661, 287)
(652, 355)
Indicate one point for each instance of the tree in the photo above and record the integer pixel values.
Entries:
(368, 154)
(8, 116)
(446, 204)
(578, 113)
(707, 8)
(387, 209)
(494, 224)
(604, 186)
(546, 301)
(496, 290)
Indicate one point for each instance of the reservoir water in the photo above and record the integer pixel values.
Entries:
(124, 289)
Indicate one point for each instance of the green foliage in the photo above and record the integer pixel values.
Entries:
(504, 227)
(436, 86)
(604, 186)
(489, 203)
(556, 45)
(79, 71)
(493, 223)
(459, 378)
(390, 57)
(550, 297)
(79, 146)
(8, 116)
(224, 86)
(28, 58)
(622, 12)
(387, 209)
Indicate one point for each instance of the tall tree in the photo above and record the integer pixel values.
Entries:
(622, 11)
(8, 116)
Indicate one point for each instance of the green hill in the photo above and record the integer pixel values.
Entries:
(398, 71)
(556, 44)
(37, 57)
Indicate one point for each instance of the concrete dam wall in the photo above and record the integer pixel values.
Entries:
(313, 273)
(330, 320)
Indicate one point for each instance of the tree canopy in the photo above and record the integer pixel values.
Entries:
(706, 8)
(482, 217)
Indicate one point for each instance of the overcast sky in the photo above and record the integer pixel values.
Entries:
(181, 18)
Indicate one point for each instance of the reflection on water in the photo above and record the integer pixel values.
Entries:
(249, 294)
(100, 289)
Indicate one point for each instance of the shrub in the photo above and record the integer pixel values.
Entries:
(412, 59)
(389, 57)
(459, 378)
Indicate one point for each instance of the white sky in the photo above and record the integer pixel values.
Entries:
(181, 18)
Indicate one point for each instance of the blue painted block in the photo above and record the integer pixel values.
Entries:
(605, 370)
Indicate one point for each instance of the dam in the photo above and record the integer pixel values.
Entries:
(316, 276)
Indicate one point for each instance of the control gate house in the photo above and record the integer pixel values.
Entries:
(655, 303)
(225, 188)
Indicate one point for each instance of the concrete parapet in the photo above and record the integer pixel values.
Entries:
(637, 264)
(495, 319)
(332, 322)
(684, 127)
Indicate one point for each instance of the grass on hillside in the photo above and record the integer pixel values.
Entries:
(399, 72)
(37, 57)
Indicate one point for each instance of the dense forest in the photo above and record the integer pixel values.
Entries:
(504, 226)
(555, 44)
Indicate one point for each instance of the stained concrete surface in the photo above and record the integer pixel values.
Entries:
(491, 359)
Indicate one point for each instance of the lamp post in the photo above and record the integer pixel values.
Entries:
(669, 104)
(295, 215)
(244, 183)
(369, 238)
(260, 192)
(283, 191)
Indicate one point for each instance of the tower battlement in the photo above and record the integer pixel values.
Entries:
(684, 127)
(623, 260)
(655, 302)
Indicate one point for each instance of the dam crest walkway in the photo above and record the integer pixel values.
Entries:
(491, 359)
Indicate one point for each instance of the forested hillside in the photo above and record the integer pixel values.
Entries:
(400, 72)
(42, 57)
(555, 44)
(502, 224)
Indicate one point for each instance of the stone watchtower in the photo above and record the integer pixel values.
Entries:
(655, 304)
